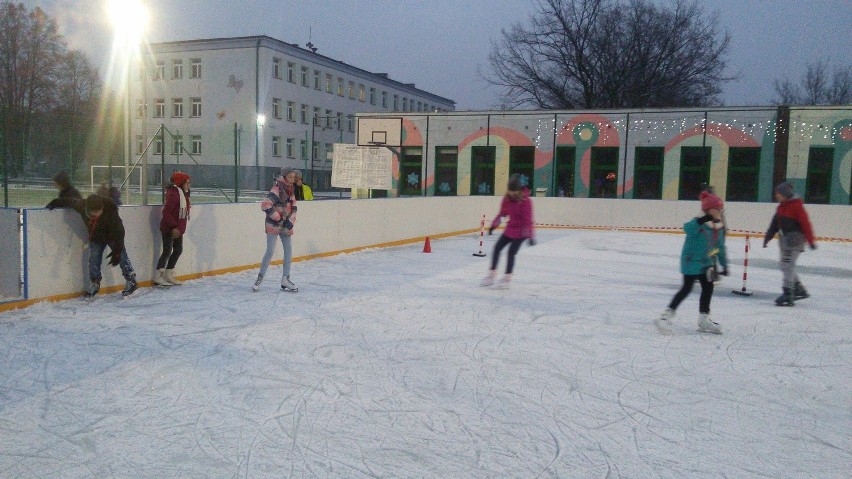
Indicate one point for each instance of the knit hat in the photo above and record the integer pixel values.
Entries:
(62, 179)
(179, 178)
(286, 170)
(710, 201)
(514, 183)
(785, 189)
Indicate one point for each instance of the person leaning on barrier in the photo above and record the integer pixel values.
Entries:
(67, 192)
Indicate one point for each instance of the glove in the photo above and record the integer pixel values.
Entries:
(51, 205)
(532, 241)
(813, 247)
(704, 219)
(724, 272)
(115, 257)
(490, 231)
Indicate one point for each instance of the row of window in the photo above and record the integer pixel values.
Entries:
(694, 172)
(194, 146)
(355, 91)
(289, 149)
(159, 70)
(177, 110)
(330, 120)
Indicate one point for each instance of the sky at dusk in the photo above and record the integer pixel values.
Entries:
(443, 45)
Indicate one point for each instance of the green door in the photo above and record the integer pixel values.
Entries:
(743, 169)
(411, 172)
(603, 178)
(565, 158)
(446, 170)
(522, 162)
(482, 170)
(694, 171)
(648, 173)
(818, 187)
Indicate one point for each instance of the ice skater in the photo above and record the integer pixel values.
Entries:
(703, 247)
(517, 205)
(280, 208)
(791, 221)
(173, 228)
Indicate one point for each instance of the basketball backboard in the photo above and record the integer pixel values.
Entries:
(376, 131)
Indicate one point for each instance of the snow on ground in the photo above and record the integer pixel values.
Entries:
(394, 363)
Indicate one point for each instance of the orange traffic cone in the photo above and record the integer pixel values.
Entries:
(427, 248)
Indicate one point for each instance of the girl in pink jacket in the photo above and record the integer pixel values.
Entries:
(517, 205)
(280, 208)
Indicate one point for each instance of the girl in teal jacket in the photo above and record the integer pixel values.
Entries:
(703, 248)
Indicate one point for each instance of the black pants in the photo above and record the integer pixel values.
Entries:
(513, 250)
(172, 248)
(706, 292)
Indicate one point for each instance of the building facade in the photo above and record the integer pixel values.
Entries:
(649, 154)
(235, 110)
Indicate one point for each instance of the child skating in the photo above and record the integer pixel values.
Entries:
(517, 205)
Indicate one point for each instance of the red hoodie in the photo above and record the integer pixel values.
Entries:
(790, 217)
(520, 215)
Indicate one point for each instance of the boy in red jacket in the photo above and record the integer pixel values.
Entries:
(792, 223)
(172, 228)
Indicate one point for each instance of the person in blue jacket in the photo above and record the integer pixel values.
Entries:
(703, 250)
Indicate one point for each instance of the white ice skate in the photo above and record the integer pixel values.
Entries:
(664, 322)
(256, 286)
(288, 285)
(707, 325)
(504, 281)
(488, 280)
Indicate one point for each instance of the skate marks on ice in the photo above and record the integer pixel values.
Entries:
(392, 363)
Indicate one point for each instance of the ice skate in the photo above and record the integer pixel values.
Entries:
(786, 298)
(707, 325)
(664, 322)
(256, 286)
(160, 279)
(799, 292)
(93, 289)
(505, 281)
(288, 285)
(169, 276)
(130, 286)
(488, 280)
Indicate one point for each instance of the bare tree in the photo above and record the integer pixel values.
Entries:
(30, 48)
(610, 54)
(817, 86)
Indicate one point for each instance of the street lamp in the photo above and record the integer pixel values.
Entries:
(261, 120)
(129, 19)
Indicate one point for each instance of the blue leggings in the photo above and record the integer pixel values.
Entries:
(270, 249)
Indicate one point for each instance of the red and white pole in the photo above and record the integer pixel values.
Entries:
(481, 235)
(743, 291)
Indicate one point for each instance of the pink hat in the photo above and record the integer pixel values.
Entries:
(710, 201)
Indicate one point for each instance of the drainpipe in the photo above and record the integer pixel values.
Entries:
(256, 113)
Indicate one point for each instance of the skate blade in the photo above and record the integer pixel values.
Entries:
(742, 293)
(290, 290)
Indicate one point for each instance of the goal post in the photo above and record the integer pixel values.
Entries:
(99, 174)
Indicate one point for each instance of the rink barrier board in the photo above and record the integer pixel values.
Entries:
(228, 238)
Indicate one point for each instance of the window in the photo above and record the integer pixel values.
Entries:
(291, 148)
(446, 170)
(361, 93)
(159, 108)
(396, 103)
(291, 74)
(140, 144)
(694, 171)
(384, 99)
(196, 68)
(351, 123)
(177, 146)
(648, 173)
(329, 152)
(304, 76)
(303, 149)
(276, 67)
(314, 152)
(340, 121)
(603, 177)
(291, 111)
(140, 109)
(352, 90)
(743, 167)
(339, 86)
(482, 170)
(177, 69)
(276, 146)
(317, 80)
(158, 145)
(419, 106)
(522, 162)
(177, 107)
(276, 108)
(303, 115)
(328, 115)
(196, 107)
(329, 83)
(411, 171)
(565, 159)
(160, 70)
(404, 104)
(818, 185)
(195, 141)
(317, 113)
(372, 96)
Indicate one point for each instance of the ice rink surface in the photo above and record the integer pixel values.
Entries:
(394, 363)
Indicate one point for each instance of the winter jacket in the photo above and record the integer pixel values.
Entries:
(106, 229)
(793, 222)
(173, 215)
(303, 192)
(280, 208)
(701, 239)
(520, 215)
(67, 195)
